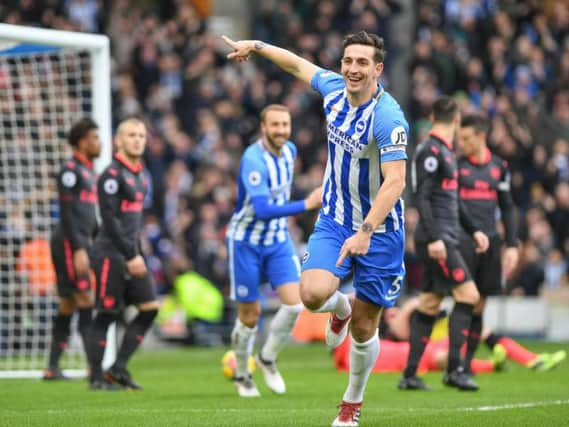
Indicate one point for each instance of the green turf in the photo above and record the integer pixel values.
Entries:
(185, 388)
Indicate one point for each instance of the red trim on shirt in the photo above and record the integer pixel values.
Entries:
(133, 168)
(443, 140)
(83, 159)
(487, 156)
(478, 194)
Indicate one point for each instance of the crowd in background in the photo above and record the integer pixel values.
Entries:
(507, 59)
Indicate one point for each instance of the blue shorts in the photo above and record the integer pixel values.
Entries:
(378, 275)
(251, 265)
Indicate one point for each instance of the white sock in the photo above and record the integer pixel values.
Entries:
(242, 339)
(281, 327)
(362, 358)
(338, 303)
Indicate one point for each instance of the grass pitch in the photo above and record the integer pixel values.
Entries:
(185, 387)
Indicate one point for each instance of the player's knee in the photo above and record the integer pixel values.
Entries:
(362, 331)
(467, 294)
(250, 316)
(66, 306)
(312, 300)
(429, 305)
(83, 300)
(479, 307)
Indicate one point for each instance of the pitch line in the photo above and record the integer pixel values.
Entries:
(515, 406)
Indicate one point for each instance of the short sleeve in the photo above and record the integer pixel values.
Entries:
(67, 182)
(254, 177)
(293, 149)
(325, 82)
(426, 161)
(391, 133)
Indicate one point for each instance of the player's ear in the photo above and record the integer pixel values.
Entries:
(378, 69)
(117, 143)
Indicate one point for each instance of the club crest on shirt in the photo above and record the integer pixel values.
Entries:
(254, 178)
(360, 127)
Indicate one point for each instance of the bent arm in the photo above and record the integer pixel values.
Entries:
(389, 192)
(266, 211)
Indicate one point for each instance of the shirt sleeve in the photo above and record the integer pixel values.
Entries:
(325, 81)
(426, 166)
(254, 176)
(267, 211)
(391, 133)
(68, 187)
(109, 201)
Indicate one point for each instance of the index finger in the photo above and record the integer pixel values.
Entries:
(229, 41)
(342, 257)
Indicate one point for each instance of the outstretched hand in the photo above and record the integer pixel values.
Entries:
(242, 49)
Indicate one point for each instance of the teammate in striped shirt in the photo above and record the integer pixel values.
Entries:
(361, 221)
(260, 247)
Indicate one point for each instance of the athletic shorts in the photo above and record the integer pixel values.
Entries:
(115, 288)
(68, 283)
(440, 277)
(485, 267)
(378, 275)
(251, 265)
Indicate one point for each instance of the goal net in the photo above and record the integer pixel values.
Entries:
(48, 80)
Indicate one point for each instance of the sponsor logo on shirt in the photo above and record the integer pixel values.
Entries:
(338, 137)
(399, 136)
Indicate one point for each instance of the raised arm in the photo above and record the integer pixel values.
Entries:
(288, 61)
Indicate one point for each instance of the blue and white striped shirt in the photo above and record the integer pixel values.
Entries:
(261, 173)
(359, 140)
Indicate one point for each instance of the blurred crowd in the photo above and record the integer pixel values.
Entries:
(508, 59)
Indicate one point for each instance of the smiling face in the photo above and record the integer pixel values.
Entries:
(360, 71)
(275, 128)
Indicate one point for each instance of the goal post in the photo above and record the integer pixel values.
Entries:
(49, 79)
(98, 46)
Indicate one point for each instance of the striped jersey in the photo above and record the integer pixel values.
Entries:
(359, 139)
(261, 173)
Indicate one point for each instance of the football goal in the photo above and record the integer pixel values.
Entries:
(48, 80)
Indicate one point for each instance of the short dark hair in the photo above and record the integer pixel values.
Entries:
(79, 130)
(478, 122)
(367, 39)
(273, 107)
(444, 110)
